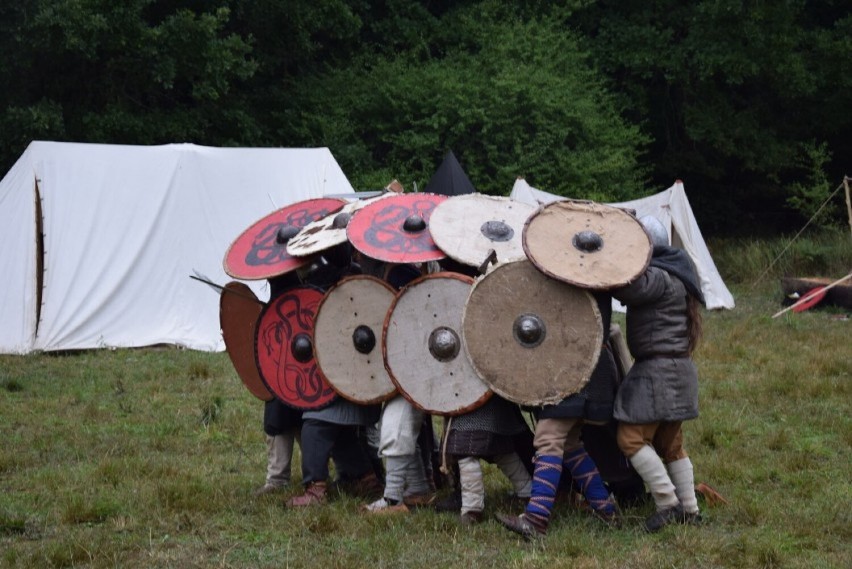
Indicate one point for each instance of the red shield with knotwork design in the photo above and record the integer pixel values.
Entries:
(396, 229)
(260, 252)
(284, 350)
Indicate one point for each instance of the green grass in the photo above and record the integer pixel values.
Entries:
(148, 458)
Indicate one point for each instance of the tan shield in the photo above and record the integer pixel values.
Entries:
(327, 232)
(534, 340)
(587, 244)
(348, 336)
(238, 315)
(424, 347)
(468, 227)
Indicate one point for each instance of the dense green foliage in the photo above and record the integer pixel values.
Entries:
(746, 102)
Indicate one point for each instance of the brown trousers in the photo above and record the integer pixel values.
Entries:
(666, 437)
(555, 437)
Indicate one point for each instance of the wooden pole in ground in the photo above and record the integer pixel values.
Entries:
(848, 200)
(807, 297)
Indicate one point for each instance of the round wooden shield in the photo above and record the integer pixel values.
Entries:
(348, 338)
(396, 229)
(587, 244)
(424, 347)
(534, 340)
(284, 349)
(260, 252)
(238, 315)
(325, 233)
(468, 227)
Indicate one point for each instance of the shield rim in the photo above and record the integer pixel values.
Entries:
(554, 399)
(417, 405)
(288, 264)
(485, 198)
(562, 278)
(254, 385)
(343, 281)
(436, 254)
(355, 207)
(260, 370)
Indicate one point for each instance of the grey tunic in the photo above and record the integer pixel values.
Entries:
(662, 385)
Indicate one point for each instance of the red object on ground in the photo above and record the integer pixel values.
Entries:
(816, 295)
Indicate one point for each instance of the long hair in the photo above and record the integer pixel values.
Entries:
(693, 327)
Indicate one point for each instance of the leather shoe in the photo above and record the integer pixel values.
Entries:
(661, 518)
(521, 525)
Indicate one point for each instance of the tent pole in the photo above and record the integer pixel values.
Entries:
(848, 201)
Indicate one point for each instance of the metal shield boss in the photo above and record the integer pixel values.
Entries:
(238, 316)
(468, 227)
(587, 244)
(260, 252)
(284, 349)
(328, 232)
(424, 346)
(534, 340)
(348, 338)
(396, 229)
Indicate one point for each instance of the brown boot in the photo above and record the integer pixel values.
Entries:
(368, 486)
(314, 495)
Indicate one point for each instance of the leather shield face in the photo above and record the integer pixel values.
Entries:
(424, 346)
(532, 339)
(348, 339)
(587, 244)
(468, 227)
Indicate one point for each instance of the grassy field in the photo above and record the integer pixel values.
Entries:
(148, 458)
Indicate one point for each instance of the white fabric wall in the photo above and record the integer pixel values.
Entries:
(672, 208)
(125, 226)
(17, 259)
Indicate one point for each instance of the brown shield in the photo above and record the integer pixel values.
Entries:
(348, 338)
(534, 340)
(284, 349)
(238, 315)
(424, 348)
(587, 244)
(260, 252)
(396, 229)
(468, 227)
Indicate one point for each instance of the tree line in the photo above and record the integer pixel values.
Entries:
(747, 102)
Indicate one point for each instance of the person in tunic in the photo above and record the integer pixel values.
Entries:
(336, 431)
(492, 432)
(281, 423)
(661, 388)
(406, 482)
(559, 447)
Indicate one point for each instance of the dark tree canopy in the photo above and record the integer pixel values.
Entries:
(746, 102)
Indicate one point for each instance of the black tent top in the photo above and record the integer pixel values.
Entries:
(449, 179)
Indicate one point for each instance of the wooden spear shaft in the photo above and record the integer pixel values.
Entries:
(807, 297)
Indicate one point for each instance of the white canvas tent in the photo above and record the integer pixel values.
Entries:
(672, 208)
(123, 228)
